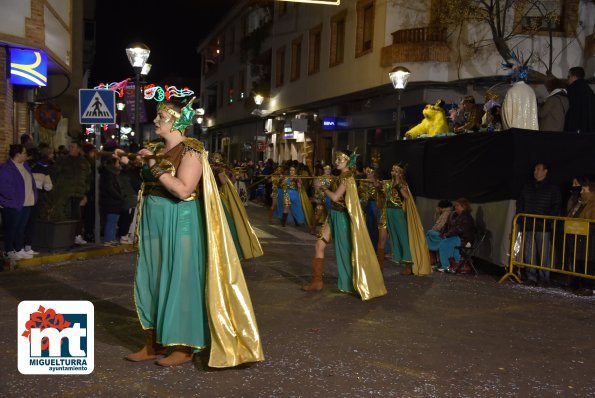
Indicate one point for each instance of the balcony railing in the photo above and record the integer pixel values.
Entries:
(419, 35)
(416, 45)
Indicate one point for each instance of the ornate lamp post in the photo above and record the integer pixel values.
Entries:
(399, 77)
(120, 106)
(258, 101)
(137, 53)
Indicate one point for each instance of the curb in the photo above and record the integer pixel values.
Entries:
(72, 256)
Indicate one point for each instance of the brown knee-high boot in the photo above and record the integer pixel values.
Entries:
(151, 350)
(381, 253)
(317, 270)
(284, 219)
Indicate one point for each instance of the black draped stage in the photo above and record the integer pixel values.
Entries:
(488, 167)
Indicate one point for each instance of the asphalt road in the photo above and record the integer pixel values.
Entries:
(436, 336)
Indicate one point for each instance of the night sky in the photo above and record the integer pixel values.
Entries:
(171, 29)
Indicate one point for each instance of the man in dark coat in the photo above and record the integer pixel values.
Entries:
(538, 197)
(580, 115)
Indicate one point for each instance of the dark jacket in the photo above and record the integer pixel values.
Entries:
(461, 225)
(72, 173)
(540, 197)
(12, 186)
(111, 199)
(580, 115)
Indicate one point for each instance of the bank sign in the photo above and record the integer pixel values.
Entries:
(55, 337)
(28, 67)
(334, 123)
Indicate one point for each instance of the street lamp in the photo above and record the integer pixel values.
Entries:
(120, 106)
(258, 101)
(137, 53)
(399, 77)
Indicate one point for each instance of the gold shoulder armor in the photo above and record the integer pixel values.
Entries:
(194, 144)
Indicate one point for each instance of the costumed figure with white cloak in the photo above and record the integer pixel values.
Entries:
(519, 109)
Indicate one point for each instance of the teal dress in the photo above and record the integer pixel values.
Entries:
(396, 222)
(340, 224)
(169, 287)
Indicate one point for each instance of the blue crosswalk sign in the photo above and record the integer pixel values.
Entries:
(97, 106)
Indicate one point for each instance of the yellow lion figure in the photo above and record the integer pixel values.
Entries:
(434, 122)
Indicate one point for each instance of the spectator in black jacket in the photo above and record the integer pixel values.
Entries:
(580, 115)
(538, 197)
(111, 200)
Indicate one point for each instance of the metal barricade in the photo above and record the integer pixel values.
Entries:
(554, 244)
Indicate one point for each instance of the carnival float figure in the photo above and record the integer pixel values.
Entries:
(189, 290)
(400, 220)
(322, 201)
(357, 267)
(243, 234)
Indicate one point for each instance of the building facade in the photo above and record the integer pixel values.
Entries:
(328, 66)
(49, 111)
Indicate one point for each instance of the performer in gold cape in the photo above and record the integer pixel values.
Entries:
(357, 266)
(247, 242)
(400, 220)
(189, 288)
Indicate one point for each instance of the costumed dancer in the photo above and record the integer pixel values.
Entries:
(400, 220)
(245, 239)
(276, 178)
(369, 198)
(322, 201)
(189, 289)
(357, 267)
(289, 204)
(519, 109)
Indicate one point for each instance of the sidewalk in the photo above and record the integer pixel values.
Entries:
(78, 252)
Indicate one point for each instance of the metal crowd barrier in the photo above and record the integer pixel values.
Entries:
(555, 244)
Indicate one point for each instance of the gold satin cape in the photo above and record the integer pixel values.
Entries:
(234, 333)
(367, 276)
(417, 239)
(307, 206)
(248, 240)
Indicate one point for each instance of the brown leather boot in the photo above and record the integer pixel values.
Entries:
(407, 270)
(317, 270)
(178, 356)
(284, 219)
(150, 351)
(380, 254)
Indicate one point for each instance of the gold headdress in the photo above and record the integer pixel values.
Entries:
(183, 119)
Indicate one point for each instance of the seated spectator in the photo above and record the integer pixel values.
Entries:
(441, 217)
(473, 113)
(459, 232)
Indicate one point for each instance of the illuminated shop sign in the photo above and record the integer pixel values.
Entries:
(334, 123)
(28, 67)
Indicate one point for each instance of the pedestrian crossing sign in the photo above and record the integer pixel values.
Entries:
(97, 106)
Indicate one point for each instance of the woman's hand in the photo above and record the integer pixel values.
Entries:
(143, 153)
(120, 155)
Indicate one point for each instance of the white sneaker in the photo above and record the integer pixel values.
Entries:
(110, 243)
(23, 254)
(78, 240)
(126, 240)
(31, 252)
(13, 255)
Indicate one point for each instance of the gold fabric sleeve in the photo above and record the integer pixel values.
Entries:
(367, 277)
(234, 333)
(417, 239)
